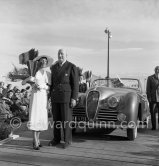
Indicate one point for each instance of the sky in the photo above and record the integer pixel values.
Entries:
(78, 27)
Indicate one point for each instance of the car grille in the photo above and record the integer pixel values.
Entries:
(79, 114)
(92, 104)
(107, 115)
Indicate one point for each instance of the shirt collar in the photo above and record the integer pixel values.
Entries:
(62, 63)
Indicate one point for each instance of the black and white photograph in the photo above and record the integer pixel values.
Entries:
(79, 82)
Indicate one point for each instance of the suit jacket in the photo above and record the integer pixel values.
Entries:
(152, 85)
(64, 82)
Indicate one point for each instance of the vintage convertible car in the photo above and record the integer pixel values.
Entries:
(113, 103)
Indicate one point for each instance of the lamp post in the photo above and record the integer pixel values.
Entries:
(107, 31)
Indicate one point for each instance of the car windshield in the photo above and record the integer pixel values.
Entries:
(117, 83)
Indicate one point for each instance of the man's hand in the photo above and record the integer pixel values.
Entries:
(149, 100)
(73, 103)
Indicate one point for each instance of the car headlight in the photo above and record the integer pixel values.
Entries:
(113, 102)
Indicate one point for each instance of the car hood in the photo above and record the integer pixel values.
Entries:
(106, 92)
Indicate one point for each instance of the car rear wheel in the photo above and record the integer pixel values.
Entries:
(132, 133)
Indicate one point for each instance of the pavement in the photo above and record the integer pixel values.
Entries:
(88, 148)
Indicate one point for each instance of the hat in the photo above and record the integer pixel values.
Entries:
(49, 59)
(23, 90)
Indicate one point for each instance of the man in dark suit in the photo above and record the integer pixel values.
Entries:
(64, 91)
(152, 91)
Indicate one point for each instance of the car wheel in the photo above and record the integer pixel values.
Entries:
(132, 133)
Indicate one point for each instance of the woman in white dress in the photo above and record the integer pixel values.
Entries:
(38, 107)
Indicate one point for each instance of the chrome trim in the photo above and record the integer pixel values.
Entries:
(97, 104)
(117, 100)
(107, 114)
(102, 125)
(79, 111)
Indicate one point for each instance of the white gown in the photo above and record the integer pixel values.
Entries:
(38, 107)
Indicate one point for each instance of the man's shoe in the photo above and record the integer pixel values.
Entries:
(66, 145)
(53, 143)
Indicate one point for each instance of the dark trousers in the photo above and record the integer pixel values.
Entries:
(153, 107)
(62, 116)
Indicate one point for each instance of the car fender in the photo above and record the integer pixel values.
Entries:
(131, 107)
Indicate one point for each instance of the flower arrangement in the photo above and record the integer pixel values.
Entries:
(23, 73)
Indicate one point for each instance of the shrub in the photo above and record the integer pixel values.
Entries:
(5, 130)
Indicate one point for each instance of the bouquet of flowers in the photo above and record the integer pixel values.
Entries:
(23, 73)
(27, 59)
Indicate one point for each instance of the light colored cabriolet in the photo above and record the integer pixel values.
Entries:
(113, 103)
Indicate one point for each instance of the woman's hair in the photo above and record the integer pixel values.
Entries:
(10, 91)
(17, 91)
(22, 90)
(9, 85)
(27, 88)
(40, 63)
(43, 58)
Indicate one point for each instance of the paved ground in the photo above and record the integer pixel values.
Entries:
(92, 148)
